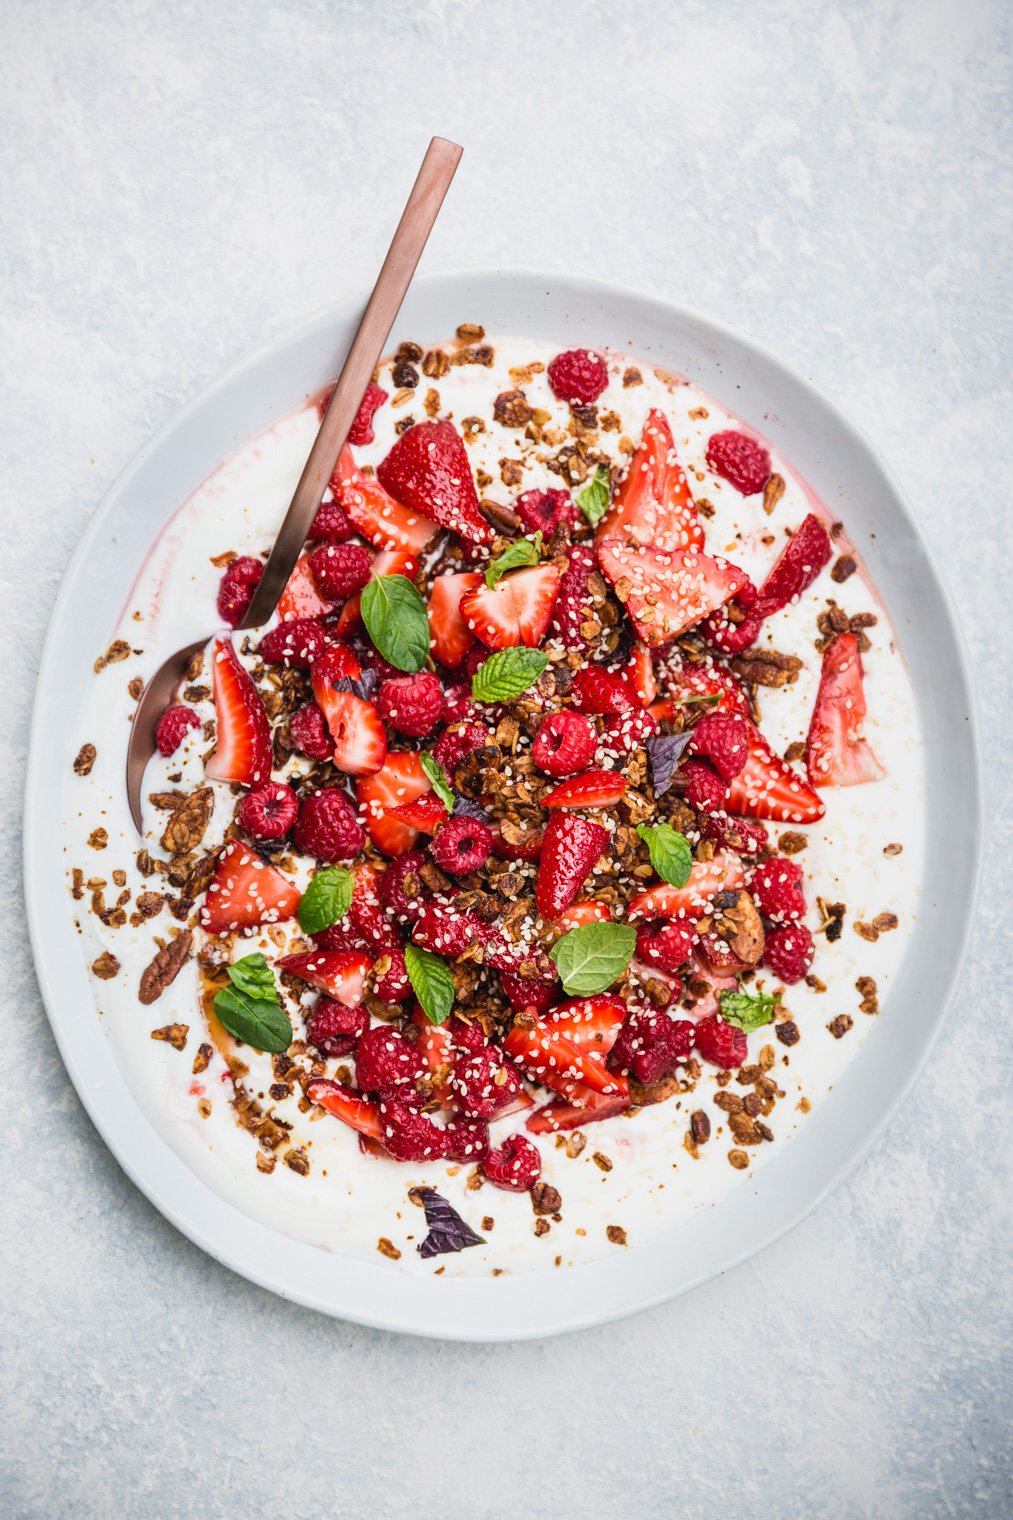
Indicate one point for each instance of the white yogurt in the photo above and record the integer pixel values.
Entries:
(349, 1200)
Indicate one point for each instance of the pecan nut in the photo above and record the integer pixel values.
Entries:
(164, 968)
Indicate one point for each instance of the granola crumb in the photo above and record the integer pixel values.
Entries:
(204, 1107)
(839, 1027)
(616, 1234)
(792, 843)
(884, 922)
(266, 1163)
(297, 1161)
(738, 1159)
(575, 1143)
(85, 760)
(815, 984)
(173, 1034)
(542, 1227)
(892, 849)
(388, 1248)
(98, 839)
(106, 966)
(788, 1032)
(601, 1160)
(804, 1105)
(867, 931)
(202, 1059)
(488, 1223)
(772, 493)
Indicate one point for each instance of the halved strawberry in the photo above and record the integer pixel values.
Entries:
(681, 679)
(571, 848)
(243, 749)
(385, 562)
(385, 522)
(586, 1107)
(593, 789)
(401, 779)
(424, 813)
(653, 503)
(836, 753)
(667, 593)
(549, 1058)
(589, 1024)
(246, 892)
(300, 598)
(436, 1047)
(638, 676)
(706, 877)
(360, 739)
(580, 913)
(338, 973)
(346, 1104)
(768, 788)
(428, 471)
(450, 638)
(801, 561)
(517, 609)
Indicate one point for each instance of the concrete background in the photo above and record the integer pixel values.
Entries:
(178, 181)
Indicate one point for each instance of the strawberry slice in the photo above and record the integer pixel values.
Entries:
(593, 789)
(429, 472)
(245, 892)
(243, 750)
(435, 1046)
(300, 598)
(586, 1107)
(709, 679)
(385, 522)
(425, 813)
(571, 848)
(348, 1105)
(552, 1060)
(801, 561)
(360, 739)
(385, 562)
(450, 638)
(638, 676)
(667, 593)
(517, 609)
(723, 873)
(580, 913)
(589, 1024)
(768, 788)
(653, 503)
(401, 779)
(338, 973)
(836, 753)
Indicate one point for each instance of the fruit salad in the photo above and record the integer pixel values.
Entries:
(523, 885)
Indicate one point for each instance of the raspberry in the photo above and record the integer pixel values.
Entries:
(720, 1043)
(578, 376)
(385, 1061)
(573, 598)
(484, 1083)
(458, 741)
(411, 704)
(621, 732)
(308, 731)
(544, 510)
(327, 826)
(298, 642)
(372, 659)
(727, 634)
(237, 587)
(466, 1140)
(461, 845)
(477, 656)
(458, 703)
(515, 1167)
(739, 834)
(392, 985)
(331, 523)
(466, 1036)
(741, 461)
(565, 744)
(650, 1045)
(407, 1135)
(334, 1028)
(723, 739)
(776, 888)
(597, 690)
(268, 811)
(706, 790)
(443, 928)
(527, 992)
(340, 570)
(789, 952)
(361, 430)
(173, 727)
(670, 948)
(400, 887)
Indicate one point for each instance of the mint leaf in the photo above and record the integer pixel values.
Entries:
(669, 850)
(431, 981)
(327, 898)
(589, 959)
(395, 618)
(254, 976)
(257, 1021)
(525, 551)
(748, 1010)
(594, 499)
(506, 674)
(438, 776)
(710, 700)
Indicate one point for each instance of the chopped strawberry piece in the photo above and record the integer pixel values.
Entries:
(428, 471)
(385, 562)
(300, 598)
(638, 676)
(723, 873)
(361, 430)
(572, 846)
(339, 973)
(435, 1045)
(586, 1107)
(346, 1104)
(516, 611)
(708, 679)
(574, 604)
(597, 690)
(836, 752)
(526, 992)
(593, 789)
(542, 511)
(801, 561)
(425, 813)
(666, 593)
(360, 739)
(768, 788)
(589, 1024)
(379, 518)
(450, 638)
(551, 1059)
(401, 779)
(580, 913)
(243, 750)
(245, 892)
(653, 504)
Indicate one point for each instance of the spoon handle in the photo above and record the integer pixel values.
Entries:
(432, 184)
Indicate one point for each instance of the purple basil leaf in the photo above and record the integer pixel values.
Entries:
(365, 685)
(666, 752)
(447, 1230)
(344, 684)
(465, 808)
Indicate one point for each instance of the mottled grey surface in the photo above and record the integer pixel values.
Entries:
(178, 181)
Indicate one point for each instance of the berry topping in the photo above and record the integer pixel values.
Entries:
(670, 948)
(544, 510)
(400, 780)
(740, 460)
(450, 638)
(338, 973)
(706, 791)
(789, 952)
(351, 1107)
(517, 610)
(776, 888)
(411, 704)
(565, 744)
(458, 703)
(466, 1140)
(245, 892)
(361, 430)
(407, 1135)
(360, 739)
(331, 523)
(335, 1028)
(736, 625)
(269, 811)
(449, 932)
(378, 517)
(801, 561)
(652, 504)
(515, 1167)
(327, 827)
(621, 732)
(400, 887)
(666, 593)
(837, 754)
(457, 742)
(173, 727)
(574, 604)
(299, 642)
(340, 570)
(385, 1061)
(525, 992)
(571, 848)
(593, 789)
(428, 471)
(723, 739)
(308, 731)
(300, 598)
(578, 376)
(237, 587)
(483, 1083)
(768, 788)
(461, 845)
(721, 1044)
(597, 690)
(464, 1035)
(723, 873)
(243, 752)
(650, 1045)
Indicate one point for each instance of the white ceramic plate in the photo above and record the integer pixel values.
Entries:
(845, 471)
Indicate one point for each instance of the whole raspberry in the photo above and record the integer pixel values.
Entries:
(458, 703)
(466, 1140)
(400, 887)
(372, 659)
(411, 704)
(740, 460)
(526, 992)
(578, 376)
(269, 811)
(441, 927)
(458, 741)
(237, 587)
(565, 744)
(298, 642)
(334, 1028)
(327, 827)
(545, 510)
(461, 845)
(706, 790)
(464, 1035)
(650, 1045)
(484, 1083)
(720, 1043)
(739, 834)
(734, 626)
(392, 984)
(173, 727)
(670, 948)
(477, 656)
(789, 953)
(515, 1167)
(340, 570)
(331, 523)
(407, 1135)
(386, 1061)
(573, 600)
(776, 889)
(308, 731)
(723, 739)
(361, 430)
(621, 732)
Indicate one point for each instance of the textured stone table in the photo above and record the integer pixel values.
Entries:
(178, 182)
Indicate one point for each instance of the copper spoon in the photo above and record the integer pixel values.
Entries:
(432, 184)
